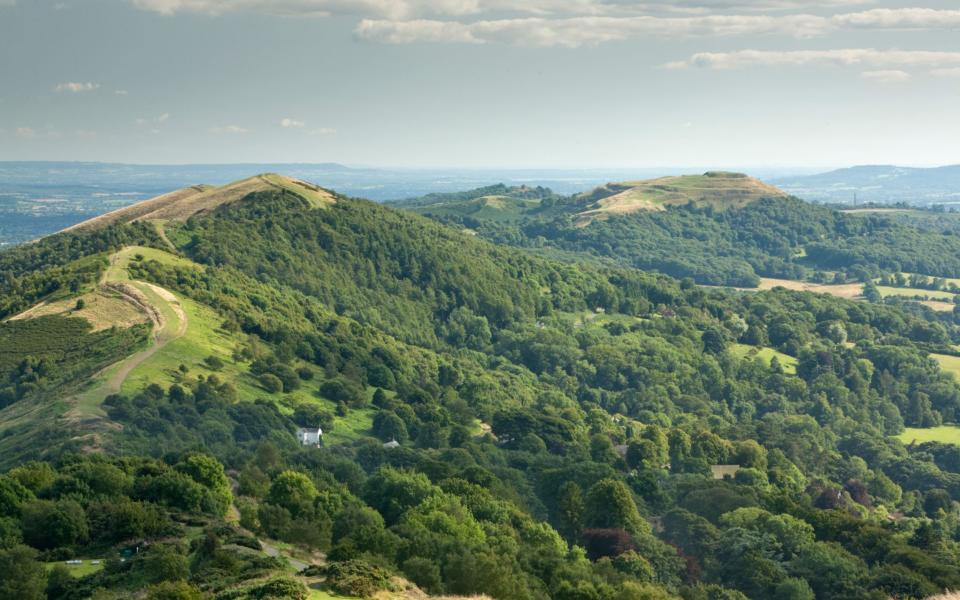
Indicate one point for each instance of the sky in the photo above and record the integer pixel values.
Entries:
(482, 83)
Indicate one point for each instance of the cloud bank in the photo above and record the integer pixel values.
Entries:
(577, 31)
(867, 57)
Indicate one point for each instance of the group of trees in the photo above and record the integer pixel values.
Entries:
(137, 508)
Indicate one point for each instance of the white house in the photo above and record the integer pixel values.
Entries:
(310, 436)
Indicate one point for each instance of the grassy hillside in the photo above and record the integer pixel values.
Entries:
(182, 204)
(718, 190)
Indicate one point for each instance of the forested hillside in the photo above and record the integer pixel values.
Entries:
(725, 241)
(495, 421)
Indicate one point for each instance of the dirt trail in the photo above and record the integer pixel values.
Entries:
(161, 337)
(164, 330)
(273, 551)
(162, 232)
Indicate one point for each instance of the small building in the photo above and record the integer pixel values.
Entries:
(392, 444)
(310, 436)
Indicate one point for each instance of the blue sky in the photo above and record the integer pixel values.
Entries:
(481, 83)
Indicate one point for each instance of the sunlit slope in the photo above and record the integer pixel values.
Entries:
(720, 190)
(187, 202)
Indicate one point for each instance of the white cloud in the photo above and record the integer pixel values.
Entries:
(572, 23)
(75, 87)
(952, 72)
(229, 129)
(389, 9)
(25, 132)
(416, 9)
(867, 57)
(288, 123)
(886, 76)
(121, 92)
(8, 3)
(900, 18)
(591, 29)
(323, 131)
(579, 31)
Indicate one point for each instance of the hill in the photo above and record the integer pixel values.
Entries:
(182, 204)
(883, 184)
(719, 229)
(719, 190)
(494, 421)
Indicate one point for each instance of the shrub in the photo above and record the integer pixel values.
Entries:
(358, 578)
(214, 362)
(271, 383)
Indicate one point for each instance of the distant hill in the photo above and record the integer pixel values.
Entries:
(717, 189)
(718, 228)
(878, 183)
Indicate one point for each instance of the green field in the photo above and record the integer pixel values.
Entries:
(950, 364)
(78, 571)
(887, 291)
(788, 362)
(946, 434)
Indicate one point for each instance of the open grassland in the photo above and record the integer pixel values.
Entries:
(181, 204)
(78, 571)
(788, 362)
(950, 364)
(938, 305)
(937, 300)
(102, 308)
(843, 290)
(945, 434)
(887, 292)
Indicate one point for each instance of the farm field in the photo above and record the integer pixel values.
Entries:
(946, 434)
(936, 300)
(788, 362)
(950, 364)
(887, 292)
(938, 305)
(843, 290)
(78, 571)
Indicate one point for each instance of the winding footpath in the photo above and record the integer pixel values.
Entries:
(162, 308)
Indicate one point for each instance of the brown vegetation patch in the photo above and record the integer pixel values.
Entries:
(103, 309)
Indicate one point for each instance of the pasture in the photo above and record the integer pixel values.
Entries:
(945, 434)
(950, 364)
(744, 351)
